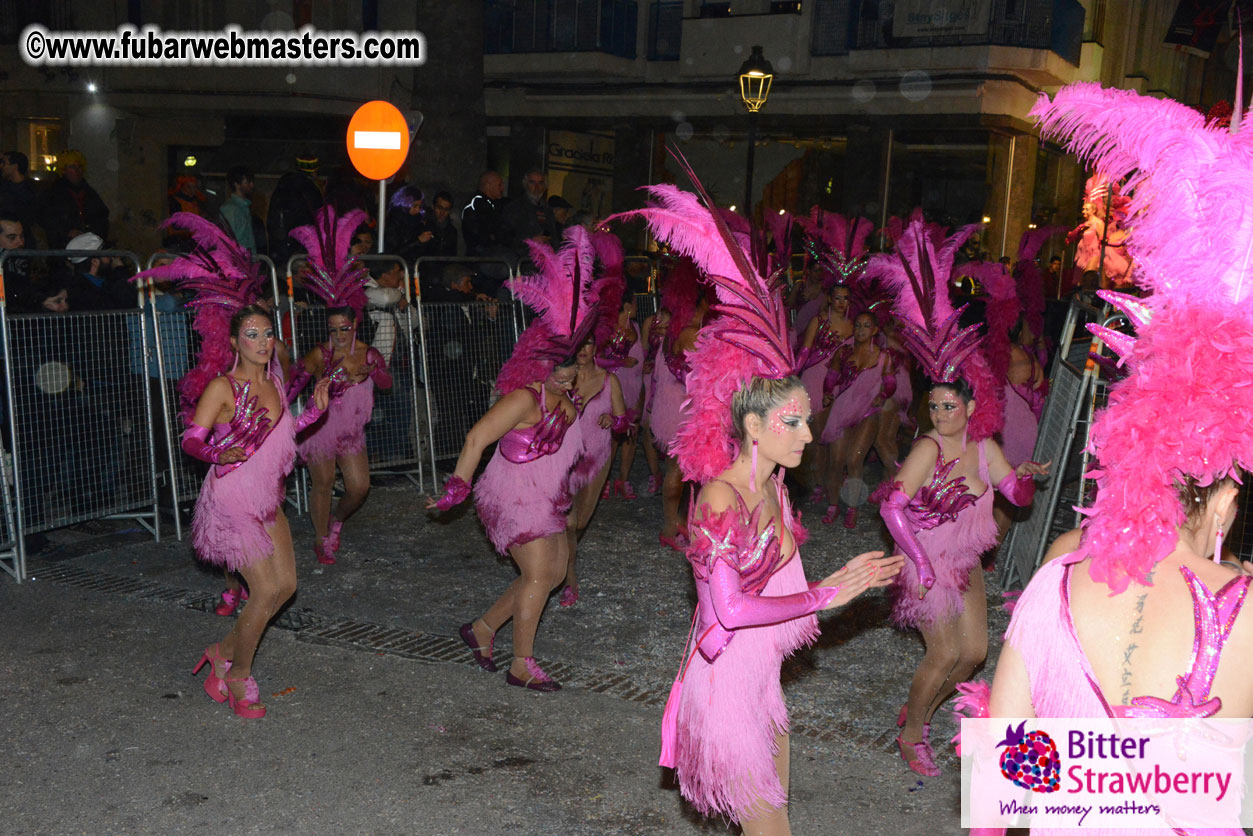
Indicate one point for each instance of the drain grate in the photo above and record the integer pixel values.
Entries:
(427, 648)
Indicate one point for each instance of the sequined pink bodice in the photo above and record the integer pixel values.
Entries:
(617, 349)
(541, 439)
(737, 537)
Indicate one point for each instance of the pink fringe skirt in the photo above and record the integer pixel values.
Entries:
(631, 378)
(954, 549)
(730, 712)
(904, 394)
(341, 432)
(1021, 427)
(597, 441)
(667, 407)
(518, 503)
(234, 512)
(854, 404)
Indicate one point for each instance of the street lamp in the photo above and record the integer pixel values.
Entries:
(755, 76)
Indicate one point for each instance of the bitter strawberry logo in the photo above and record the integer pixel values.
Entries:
(1030, 759)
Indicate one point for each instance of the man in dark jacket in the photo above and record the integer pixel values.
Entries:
(487, 233)
(71, 206)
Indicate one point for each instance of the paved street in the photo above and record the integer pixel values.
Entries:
(378, 721)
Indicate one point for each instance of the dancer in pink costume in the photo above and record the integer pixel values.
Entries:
(725, 727)
(655, 328)
(824, 334)
(355, 369)
(624, 356)
(602, 413)
(1029, 281)
(1150, 625)
(1101, 258)
(683, 297)
(523, 497)
(939, 511)
(895, 411)
(240, 426)
(860, 379)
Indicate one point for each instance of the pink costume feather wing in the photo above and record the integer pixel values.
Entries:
(334, 275)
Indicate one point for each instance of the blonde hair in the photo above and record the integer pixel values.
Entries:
(757, 397)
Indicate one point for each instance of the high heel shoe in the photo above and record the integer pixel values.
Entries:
(654, 485)
(678, 542)
(921, 762)
(537, 681)
(900, 724)
(624, 489)
(817, 495)
(569, 596)
(607, 491)
(325, 556)
(484, 660)
(833, 511)
(231, 599)
(249, 705)
(332, 536)
(214, 685)
(850, 519)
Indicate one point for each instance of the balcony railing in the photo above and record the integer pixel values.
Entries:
(561, 26)
(843, 25)
(665, 30)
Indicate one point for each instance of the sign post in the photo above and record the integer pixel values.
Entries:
(378, 143)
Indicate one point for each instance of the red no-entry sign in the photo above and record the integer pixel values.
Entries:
(378, 140)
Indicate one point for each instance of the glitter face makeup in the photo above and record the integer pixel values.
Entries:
(784, 419)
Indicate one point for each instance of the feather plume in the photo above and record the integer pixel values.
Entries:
(334, 276)
(610, 285)
(1029, 277)
(223, 279)
(560, 293)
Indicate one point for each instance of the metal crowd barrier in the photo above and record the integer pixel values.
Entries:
(80, 417)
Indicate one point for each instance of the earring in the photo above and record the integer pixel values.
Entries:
(752, 469)
(1218, 541)
(236, 366)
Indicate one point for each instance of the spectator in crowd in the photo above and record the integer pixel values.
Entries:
(1054, 282)
(17, 191)
(295, 201)
(388, 432)
(362, 241)
(71, 206)
(96, 285)
(563, 213)
(530, 215)
(16, 270)
(486, 232)
(184, 196)
(237, 210)
(444, 242)
(407, 233)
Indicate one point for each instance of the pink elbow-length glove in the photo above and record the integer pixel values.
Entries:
(309, 416)
(378, 369)
(296, 384)
(736, 608)
(1018, 490)
(894, 514)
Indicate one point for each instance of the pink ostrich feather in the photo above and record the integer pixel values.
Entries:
(749, 337)
(680, 295)
(1001, 315)
(1192, 237)
(223, 279)
(836, 243)
(780, 224)
(1029, 278)
(560, 293)
(610, 286)
(335, 276)
(918, 274)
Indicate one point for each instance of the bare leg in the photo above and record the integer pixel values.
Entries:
(671, 496)
(628, 458)
(775, 822)
(322, 475)
(837, 455)
(585, 503)
(271, 582)
(972, 640)
(860, 438)
(650, 451)
(542, 564)
(943, 643)
(885, 442)
(356, 472)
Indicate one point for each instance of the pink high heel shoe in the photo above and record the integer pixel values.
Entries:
(850, 519)
(654, 485)
(249, 705)
(833, 511)
(325, 556)
(624, 489)
(231, 600)
(569, 596)
(607, 491)
(922, 761)
(214, 685)
(332, 535)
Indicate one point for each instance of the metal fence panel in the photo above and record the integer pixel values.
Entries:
(465, 346)
(82, 408)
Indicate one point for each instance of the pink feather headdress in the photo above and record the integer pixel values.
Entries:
(918, 273)
(749, 337)
(680, 295)
(335, 277)
(836, 244)
(1186, 406)
(223, 279)
(560, 293)
(894, 230)
(610, 285)
(1001, 313)
(1029, 278)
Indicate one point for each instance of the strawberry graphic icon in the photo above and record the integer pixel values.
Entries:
(1030, 759)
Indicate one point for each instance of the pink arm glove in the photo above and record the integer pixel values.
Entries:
(308, 417)
(1016, 490)
(456, 491)
(378, 369)
(196, 445)
(736, 609)
(893, 513)
(299, 379)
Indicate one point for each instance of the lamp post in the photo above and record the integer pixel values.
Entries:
(755, 76)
